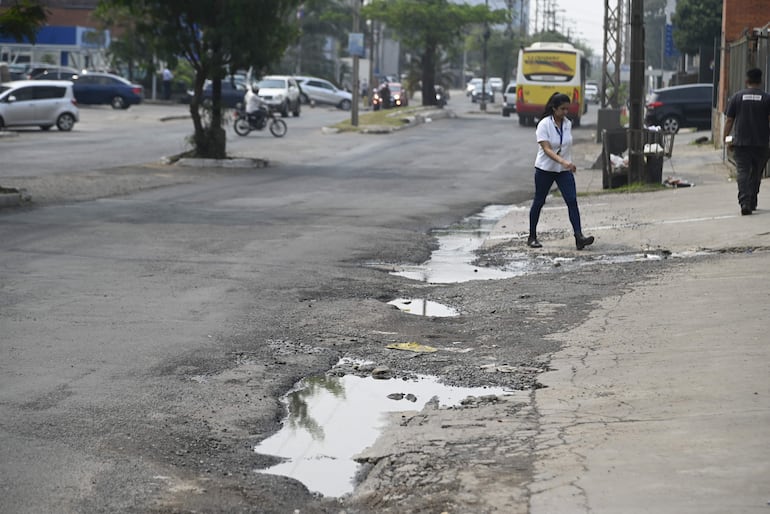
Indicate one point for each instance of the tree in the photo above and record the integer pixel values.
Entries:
(215, 36)
(22, 20)
(697, 23)
(654, 34)
(428, 26)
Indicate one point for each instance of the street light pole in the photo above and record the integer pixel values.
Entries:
(356, 86)
(484, 70)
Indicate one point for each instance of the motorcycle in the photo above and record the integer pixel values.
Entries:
(244, 123)
(441, 96)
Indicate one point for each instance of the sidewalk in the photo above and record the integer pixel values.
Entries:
(706, 216)
(660, 401)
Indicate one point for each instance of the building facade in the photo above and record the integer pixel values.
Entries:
(71, 37)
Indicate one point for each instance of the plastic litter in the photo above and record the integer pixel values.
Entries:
(677, 182)
(412, 347)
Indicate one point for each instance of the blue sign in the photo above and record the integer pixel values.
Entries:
(356, 44)
(670, 49)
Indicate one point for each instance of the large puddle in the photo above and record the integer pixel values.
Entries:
(331, 419)
(453, 261)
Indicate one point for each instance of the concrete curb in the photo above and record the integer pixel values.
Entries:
(222, 163)
(12, 197)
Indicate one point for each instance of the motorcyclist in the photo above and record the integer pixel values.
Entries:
(255, 107)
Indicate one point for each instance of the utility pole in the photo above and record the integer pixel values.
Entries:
(356, 85)
(613, 52)
(636, 94)
(483, 104)
(609, 113)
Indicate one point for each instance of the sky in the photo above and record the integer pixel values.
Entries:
(587, 19)
(584, 18)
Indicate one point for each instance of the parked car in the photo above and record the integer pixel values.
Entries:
(592, 93)
(44, 103)
(52, 73)
(14, 71)
(680, 106)
(496, 83)
(509, 99)
(488, 97)
(232, 93)
(106, 88)
(280, 93)
(320, 91)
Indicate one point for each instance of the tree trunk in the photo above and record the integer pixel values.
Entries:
(429, 75)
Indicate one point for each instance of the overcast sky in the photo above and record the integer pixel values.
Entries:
(584, 20)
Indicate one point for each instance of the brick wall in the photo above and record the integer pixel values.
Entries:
(738, 15)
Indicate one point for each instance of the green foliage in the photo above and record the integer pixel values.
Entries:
(429, 26)
(214, 37)
(697, 23)
(22, 20)
(324, 27)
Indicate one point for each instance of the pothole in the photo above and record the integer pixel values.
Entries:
(331, 419)
(456, 258)
(420, 307)
(453, 261)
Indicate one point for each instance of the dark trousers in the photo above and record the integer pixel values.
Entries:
(566, 183)
(167, 89)
(750, 162)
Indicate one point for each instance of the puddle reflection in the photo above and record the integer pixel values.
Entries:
(331, 419)
(422, 307)
(451, 262)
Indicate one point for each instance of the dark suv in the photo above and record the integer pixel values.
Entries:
(680, 106)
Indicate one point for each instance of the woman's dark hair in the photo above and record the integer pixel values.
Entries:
(555, 101)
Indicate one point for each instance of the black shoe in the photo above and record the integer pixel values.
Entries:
(581, 242)
(532, 242)
(745, 210)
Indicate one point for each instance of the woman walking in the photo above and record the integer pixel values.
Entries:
(554, 164)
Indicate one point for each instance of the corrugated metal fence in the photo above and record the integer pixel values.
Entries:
(751, 51)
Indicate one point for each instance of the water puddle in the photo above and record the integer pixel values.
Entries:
(422, 307)
(331, 419)
(451, 262)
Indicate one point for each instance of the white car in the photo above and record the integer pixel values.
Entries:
(280, 93)
(592, 93)
(320, 91)
(509, 99)
(43, 103)
(472, 84)
(496, 83)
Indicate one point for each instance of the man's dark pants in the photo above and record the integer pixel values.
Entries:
(750, 162)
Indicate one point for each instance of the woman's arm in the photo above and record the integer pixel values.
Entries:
(546, 146)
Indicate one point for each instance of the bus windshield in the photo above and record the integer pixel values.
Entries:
(549, 66)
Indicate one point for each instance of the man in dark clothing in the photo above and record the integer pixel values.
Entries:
(748, 111)
(385, 96)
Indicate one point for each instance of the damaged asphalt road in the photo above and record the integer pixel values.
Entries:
(149, 331)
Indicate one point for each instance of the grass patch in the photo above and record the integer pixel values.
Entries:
(637, 187)
(381, 118)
